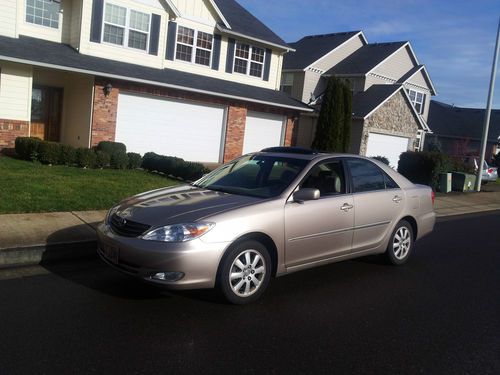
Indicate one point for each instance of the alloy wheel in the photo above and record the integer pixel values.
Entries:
(247, 273)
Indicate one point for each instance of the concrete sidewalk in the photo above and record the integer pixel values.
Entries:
(27, 239)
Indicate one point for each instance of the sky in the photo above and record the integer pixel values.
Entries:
(454, 39)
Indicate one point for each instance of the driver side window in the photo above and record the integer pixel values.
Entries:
(327, 177)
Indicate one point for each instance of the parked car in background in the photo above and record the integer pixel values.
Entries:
(266, 214)
(489, 174)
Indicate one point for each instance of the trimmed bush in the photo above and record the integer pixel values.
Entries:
(86, 157)
(170, 165)
(103, 159)
(49, 152)
(27, 147)
(383, 159)
(119, 160)
(67, 155)
(134, 160)
(150, 161)
(111, 147)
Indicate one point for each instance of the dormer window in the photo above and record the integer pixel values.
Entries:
(43, 12)
(249, 60)
(126, 27)
(187, 50)
(417, 99)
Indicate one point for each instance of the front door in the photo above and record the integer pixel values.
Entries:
(46, 105)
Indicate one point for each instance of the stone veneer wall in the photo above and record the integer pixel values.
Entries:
(105, 111)
(395, 117)
(10, 130)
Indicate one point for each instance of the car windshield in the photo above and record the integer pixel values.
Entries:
(262, 176)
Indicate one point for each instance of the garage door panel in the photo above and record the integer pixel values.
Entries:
(167, 127)
(262, 130)
(389, 146)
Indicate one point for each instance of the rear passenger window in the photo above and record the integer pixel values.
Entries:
(366, 176)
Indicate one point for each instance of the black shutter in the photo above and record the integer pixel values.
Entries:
(267, 64)
(230, 55)
(154, 34)
(171, 37)
(216, 52)
(96, 23)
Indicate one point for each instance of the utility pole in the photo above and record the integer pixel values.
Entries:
(488, 112)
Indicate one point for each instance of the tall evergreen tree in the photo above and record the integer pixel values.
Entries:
(347, 95)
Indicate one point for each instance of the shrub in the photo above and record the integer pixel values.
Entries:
(103, 159)
(27, 147)
(49, 152)
(383, 159)
(86, 157)
(150, 161)
(173, 166)
(111, 147)
(67, 155)
(134, 160)
(119, 160)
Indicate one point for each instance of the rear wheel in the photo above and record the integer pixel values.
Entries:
(245, 272)
(401, 244)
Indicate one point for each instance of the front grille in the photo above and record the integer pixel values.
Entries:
(127, 228)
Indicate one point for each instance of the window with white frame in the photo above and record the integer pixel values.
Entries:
(126, 27)
(43, 12)
(187, 50)
(249, 60)
(287, 83)
(418, 99)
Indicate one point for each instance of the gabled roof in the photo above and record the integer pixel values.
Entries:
(465, 123)
(313, 47)
(365, 58)
(414, 71)
(242, 23)
(365, 103)
(59, 56)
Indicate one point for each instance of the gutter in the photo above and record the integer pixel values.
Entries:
(234, 33)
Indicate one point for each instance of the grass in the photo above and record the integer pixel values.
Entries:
(32, 187)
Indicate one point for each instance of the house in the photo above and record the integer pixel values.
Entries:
(459, 131)
(391, 90)
(197, 79)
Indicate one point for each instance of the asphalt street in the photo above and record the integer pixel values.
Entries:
(439, 314)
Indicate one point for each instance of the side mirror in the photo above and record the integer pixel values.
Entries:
(306, 194)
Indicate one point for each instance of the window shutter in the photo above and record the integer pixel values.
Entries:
(267, 64)
(96, 23)
(216, 52)
(171, 37)
(230, 55)
(154, 34)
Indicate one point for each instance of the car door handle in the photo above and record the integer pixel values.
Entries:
(397, 199)
(346, 207)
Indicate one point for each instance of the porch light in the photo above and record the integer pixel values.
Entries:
(107, 89)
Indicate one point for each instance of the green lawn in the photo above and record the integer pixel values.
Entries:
(32, 187)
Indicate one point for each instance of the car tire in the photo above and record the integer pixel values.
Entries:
(244, 273)
(400, 244)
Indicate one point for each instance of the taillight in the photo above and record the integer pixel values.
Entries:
(490, 171)
(433, 196)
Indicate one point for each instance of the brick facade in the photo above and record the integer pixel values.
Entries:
(105, 111)
(10, 130)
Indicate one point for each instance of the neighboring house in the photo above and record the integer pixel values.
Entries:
(197, 79)
(459, 131)
(391, 90)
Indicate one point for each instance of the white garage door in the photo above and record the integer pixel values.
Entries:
(389, 146)
(263, 130)
(190, 131)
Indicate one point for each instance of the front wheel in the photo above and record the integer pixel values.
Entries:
(401, 244)
(245, 272)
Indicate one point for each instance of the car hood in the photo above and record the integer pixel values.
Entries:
(179, 204)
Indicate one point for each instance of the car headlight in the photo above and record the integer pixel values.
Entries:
(110, 213)
(178, 232)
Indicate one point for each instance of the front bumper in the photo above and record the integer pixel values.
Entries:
(198, 260)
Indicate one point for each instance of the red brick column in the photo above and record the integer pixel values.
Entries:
(291, 132)
(104, 113)
(235, 132)
(10, 130)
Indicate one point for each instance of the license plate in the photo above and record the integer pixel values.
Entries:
(111, 253)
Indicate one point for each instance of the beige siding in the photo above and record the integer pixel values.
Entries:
(339, 54)
(197, 10)
(419, 80)
(307, 130)
(61, 35)
(77, 103)
(396, 65)
(8, 16)
(15, 91)
(313, 84)
(76, 14)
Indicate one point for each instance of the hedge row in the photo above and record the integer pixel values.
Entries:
(105, 155)
(425, 167)
(170, 165)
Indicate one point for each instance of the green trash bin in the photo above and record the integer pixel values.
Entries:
(463, 181)
(445, 182)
